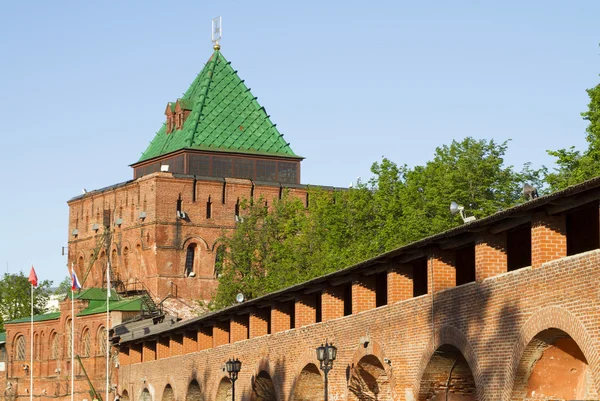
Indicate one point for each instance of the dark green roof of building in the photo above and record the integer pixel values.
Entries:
(36, 318)
(126, 305)
(224, 116)
(94, 294)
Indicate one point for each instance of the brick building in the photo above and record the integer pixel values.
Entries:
(53, 337)
(216, 148)
(503, 308)
(158, 235)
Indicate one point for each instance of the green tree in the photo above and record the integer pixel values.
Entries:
(64, 287)
(574, 166)
(291, 242)
(15, 297)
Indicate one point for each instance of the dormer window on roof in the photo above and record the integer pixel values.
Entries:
(177, 113)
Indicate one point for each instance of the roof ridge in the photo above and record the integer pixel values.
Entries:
(202, 99)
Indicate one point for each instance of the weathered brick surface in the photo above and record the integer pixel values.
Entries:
(441, 272)
(400, 283)
(490, 256)
(281, 317)
(306, 312)
(332, 300)
(51, 370)
(153, 250)
(548, 238)
(363, 294)
(490, 322)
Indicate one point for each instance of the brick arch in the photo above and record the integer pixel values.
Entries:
(307, 357)
(196, 240)
(193, 392)
(168, 395)
(375, 349)
(308, 384)
(147, 393)
(264, 365)
(450, 335)
(223, 389)
(552, 317)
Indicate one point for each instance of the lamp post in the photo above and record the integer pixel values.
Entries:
(233, 368)
(326, 354)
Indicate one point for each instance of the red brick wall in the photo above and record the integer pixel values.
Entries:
(259, 322)
(205, 338)
(221, 333)
(281, 317)
(548, 238)
(332, 303)
(162, 348)
(190, 342)
(149, 351)
(490, 322)
(306, 312)
(363, 294)
(239, 328)
(441, 271)
(153, 250)
(400, 283)
(490, 256)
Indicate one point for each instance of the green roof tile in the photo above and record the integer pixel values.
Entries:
(224, 116)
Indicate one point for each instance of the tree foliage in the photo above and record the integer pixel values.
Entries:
(574, 166)
(289, 241)
(15, 297)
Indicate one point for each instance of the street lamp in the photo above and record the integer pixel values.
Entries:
(233, 368)
(326, 354)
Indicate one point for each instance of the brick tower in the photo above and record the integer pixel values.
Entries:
(161, 230)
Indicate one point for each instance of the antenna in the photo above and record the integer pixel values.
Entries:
(217, 30)
(456, 208)
(239, 298)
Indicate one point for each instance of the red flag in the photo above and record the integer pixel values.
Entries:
(33, 277)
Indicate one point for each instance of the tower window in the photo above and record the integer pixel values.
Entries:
(209, 209)
(20, 349)
(189, 259)
(219, 261)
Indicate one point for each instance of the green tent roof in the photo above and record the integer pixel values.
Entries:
(224, 116)
(2, 338)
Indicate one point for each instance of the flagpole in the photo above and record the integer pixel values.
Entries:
(107, 326)
(31, 356)
(72, 335)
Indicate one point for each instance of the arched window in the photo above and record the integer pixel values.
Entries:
(102, 340)
(69, 338)
(220, 256)
(54, 346)
(85, 343)
(20, 350)
(189, 259)
(36, 346)
(126, 257)
(114, 262)
(80, 264)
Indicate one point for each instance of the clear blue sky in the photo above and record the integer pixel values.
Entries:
(83, 88)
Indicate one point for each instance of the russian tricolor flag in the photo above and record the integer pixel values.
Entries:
(74, 281)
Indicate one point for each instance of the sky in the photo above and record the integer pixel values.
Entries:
(84, 86)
